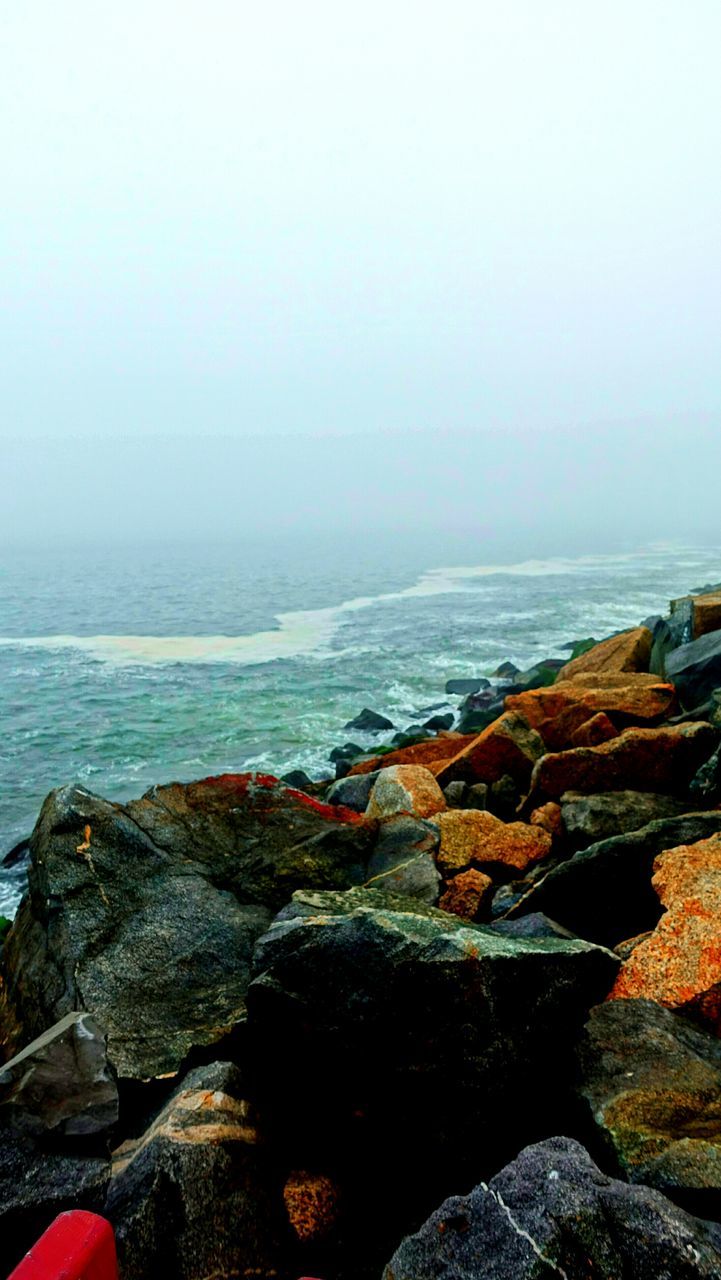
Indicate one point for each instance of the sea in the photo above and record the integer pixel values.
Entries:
(125, 666)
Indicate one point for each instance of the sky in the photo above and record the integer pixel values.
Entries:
(320, 264)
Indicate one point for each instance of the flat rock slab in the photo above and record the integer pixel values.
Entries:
(61, 1083)
(552, 1215)
(652, 1083)
(146, 914)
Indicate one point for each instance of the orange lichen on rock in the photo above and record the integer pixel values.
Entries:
(629, 651)
(311, 1202)
(425, 753)
(594, 731)
(562, 710)
(508, 746)
(662, 759)
(473, 836)
(405, 788)
(465, 894)
(549, 817)
(679, 964)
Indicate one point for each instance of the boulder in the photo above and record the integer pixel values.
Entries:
(590, 818)
(390, 1011)
(479, 710)
(559, 712)
(652, 1084)
(695, 669)
(604, 892)
(61, 1083)
(37, 1182)
(501, 798)
(637, 760)
(455, 794)
(600, 728)
(534, 926)
(506, 671)
(472, 836)
(353, 791)
(701, 613)
(145, 914)
(436, 723)
(466, 893)
(195, 1195)
(297, 778)
(679, 965)
(463, 686)
(425, 753)
(629, 651)
(552, 1213)
(403, 860)
(508, 746)
(405, 788)
(368, 721)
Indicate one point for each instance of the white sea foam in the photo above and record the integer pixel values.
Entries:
(305, 633)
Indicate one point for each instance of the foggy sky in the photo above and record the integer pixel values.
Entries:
(318, 263)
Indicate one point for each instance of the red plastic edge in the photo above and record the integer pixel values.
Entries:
(77, 1246)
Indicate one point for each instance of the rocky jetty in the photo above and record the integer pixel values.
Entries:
(455, 1014)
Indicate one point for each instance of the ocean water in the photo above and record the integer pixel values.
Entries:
(121, 668)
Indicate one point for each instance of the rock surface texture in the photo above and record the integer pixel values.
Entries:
(552, 1214)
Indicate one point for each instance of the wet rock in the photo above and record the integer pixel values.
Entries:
(478, 710)
(559, 713)
(145, 914)
(61, 1083)
(353, 791)
(590, 818)
(652, 1083)
(348, 751)
(470, 836)
(405, 788)
(466, 893)
(695, 669)
(20, 852)
(638, 760)
(389, 1014)
(506, 671)
(463, 686)
(552, 1213)
(195, 1196)
(297, 778)
(629, 651)
(368, 721)
(679, 965)
(440, 722)
(604, 892)
(403, 860)
(508, 746)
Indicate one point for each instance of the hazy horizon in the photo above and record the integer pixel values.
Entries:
(407, 268)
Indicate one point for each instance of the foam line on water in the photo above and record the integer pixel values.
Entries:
(303, 633)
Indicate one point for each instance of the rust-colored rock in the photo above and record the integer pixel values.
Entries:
(473, 836)
(594, 731)
(549, 817)
(405, 788)
(311, 1202)
(703, 612)
(426, 753)
(629, 651)
(508, 746)
(679, 964)
(664, 759)
(562, 710)
(466, 894)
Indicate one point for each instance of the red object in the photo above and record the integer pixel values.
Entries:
(78, 1246)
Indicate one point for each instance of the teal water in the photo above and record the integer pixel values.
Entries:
(124, 667)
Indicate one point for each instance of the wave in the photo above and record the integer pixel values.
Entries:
(306, 633)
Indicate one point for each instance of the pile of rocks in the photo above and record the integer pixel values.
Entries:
(268, 1030)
